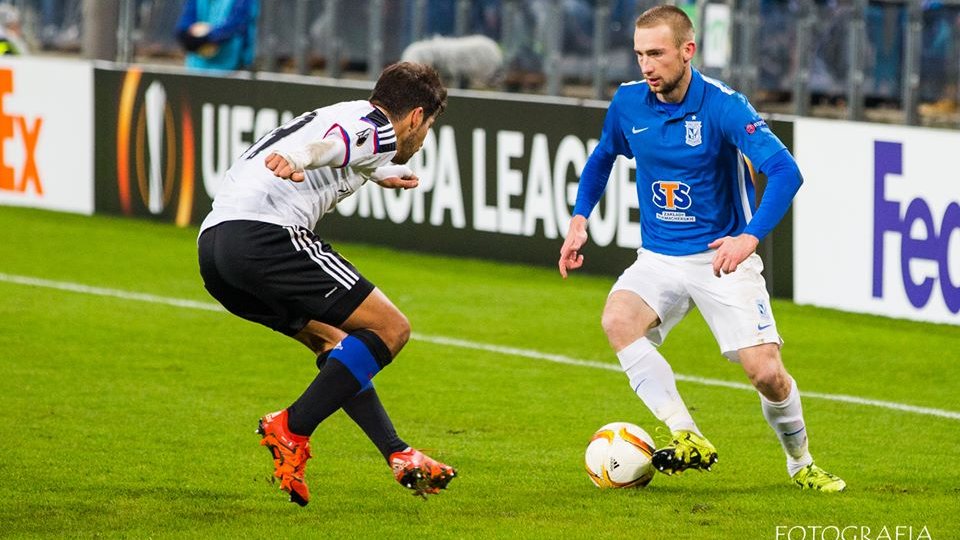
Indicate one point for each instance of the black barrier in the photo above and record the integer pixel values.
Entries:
(777, 248)
(498, 175)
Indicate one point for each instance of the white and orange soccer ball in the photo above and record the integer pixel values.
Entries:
(618, 456)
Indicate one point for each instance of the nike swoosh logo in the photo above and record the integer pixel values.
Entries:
(795, 432)
(764, 327)
(641, 130)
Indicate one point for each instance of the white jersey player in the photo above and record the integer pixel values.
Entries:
(261, 259)
(338, 149)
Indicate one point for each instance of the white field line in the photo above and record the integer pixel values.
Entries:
(465, 344)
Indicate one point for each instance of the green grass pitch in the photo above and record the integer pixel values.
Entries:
(135, 419)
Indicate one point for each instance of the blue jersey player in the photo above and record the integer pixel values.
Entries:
(695, 142)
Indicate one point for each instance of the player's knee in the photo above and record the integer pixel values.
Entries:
(374, 343)
(316, 344)
(395, 332)
(363, 353)
(402, 332)
(615, 324)
(771, 380)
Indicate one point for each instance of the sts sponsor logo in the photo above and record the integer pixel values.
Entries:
(672, 197)
(924, 237)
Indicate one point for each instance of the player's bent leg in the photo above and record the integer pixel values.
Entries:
(367, 411)
(349, 366)
(764, 367)
(348, 369)
(626, 318)
(652, 379)
(378, 314)
(780, 402)
(320, 337)
(364, 355)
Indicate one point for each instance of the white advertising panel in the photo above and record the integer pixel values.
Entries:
(716, 36)
(46, 134)
(877, 221)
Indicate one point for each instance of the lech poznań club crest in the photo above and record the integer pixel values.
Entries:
(693, 132)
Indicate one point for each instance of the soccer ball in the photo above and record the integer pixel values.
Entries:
(618, 456)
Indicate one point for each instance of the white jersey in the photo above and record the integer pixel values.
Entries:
(250, 191)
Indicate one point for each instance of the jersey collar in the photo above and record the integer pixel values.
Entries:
(691, 102)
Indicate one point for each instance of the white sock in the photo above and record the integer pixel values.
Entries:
(786, 419)
(652, 379)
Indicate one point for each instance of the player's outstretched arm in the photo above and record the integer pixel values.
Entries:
(570, 256)
(283, 168)
(395, 177)
(290, 164)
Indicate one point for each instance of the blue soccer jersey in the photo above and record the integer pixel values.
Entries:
(693, 183)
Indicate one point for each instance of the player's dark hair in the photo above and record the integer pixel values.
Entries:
(405, 86)
(672, 16)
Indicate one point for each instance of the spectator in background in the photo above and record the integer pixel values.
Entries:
(776, 63)
(11, 38)
(219, 34)
(885, 32)
(51, 21)
(938, 59)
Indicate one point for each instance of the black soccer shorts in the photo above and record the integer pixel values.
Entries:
(279, 276)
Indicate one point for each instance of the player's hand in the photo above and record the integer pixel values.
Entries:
(731, 251)
(199, 29)
(282, 168)
(570, 256)
(396, 182)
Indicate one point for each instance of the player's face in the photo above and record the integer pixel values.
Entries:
(409, 142)
(665, 66)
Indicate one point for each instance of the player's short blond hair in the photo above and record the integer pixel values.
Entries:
(672, 16)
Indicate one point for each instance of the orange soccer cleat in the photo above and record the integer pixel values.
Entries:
(419, 472)
(290, 454)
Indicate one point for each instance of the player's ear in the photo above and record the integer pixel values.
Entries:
(689, 50)
(416, 118)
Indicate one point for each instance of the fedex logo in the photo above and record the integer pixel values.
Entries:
(671, 195)
(28, 177)
(932, 244)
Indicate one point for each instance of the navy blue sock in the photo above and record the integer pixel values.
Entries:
(349, 368)
(333, 386)
(366, 410)
(363, 352)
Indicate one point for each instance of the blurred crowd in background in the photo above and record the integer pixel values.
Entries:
(580, 48)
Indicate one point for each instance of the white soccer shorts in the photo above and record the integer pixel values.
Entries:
(736, 306)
